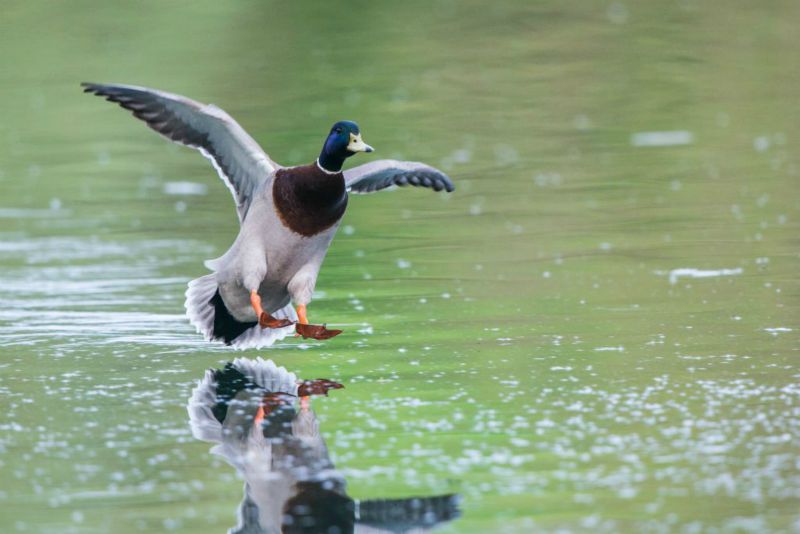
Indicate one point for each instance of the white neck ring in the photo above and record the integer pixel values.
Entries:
(323, 169)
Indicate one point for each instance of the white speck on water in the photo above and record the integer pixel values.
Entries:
(617, 13)
(458, 156)
(55, 204)
(582, 122)
(180, 206)
(185, 188)
(605, 246)
(505, 154)
(761, 143)
(610, 349)
(545, 423)
(446, 295)
(668, 138)
(172, 523)
(762, 260)
(348, 229)
(691, 272)
(367, 329)
(675, 185)
(403, 264)
(461, 155)
(777, 330)
(546, 274)
(547, 179)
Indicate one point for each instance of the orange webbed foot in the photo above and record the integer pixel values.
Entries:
(268, 321)
(265, 320)
(320, 386)
(315, 331)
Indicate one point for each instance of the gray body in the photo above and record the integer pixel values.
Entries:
(271, 258)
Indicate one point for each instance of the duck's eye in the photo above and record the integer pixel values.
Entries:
(338, 130)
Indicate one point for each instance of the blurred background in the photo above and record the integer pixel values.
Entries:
(597, 331)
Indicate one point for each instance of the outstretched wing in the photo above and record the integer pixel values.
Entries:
(383, 173)
(238, 159)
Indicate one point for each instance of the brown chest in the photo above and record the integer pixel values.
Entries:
(308, 200)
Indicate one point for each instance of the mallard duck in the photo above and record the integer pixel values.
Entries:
(250, 411)
(288, 215)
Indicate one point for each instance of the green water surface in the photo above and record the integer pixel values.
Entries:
(598, 331)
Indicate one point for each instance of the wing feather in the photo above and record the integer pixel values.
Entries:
(384, 173)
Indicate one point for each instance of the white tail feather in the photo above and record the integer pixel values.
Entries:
(198, 304)
(263, 373)
(200, 311)
(259, 338)
(204, 425)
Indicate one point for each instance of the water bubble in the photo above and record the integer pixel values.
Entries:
(761, 143)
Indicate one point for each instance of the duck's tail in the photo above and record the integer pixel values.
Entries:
(207, 312)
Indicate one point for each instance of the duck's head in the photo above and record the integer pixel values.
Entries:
(343, 141)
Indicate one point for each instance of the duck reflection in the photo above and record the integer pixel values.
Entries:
(260, 418)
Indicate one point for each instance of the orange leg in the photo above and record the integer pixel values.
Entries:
(255, 302)
(266, 320)
(305, 403)
(259, 415)
(302, 318)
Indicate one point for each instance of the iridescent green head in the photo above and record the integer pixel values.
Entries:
(343, 141)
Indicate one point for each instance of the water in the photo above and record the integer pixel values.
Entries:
(597, 331)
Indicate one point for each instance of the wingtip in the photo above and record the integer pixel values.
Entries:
(449, 186)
